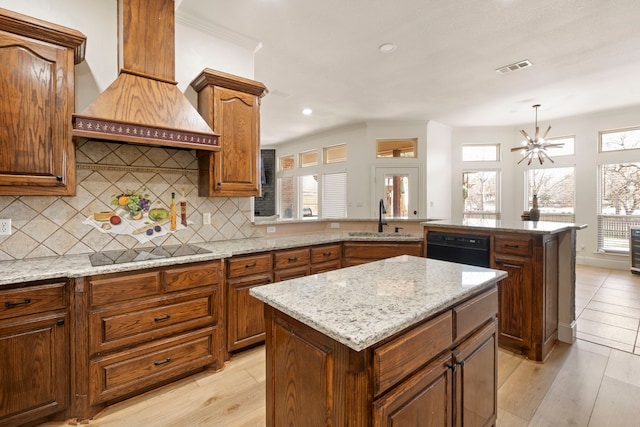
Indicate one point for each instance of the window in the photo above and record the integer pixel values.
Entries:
(286, 163)
(567, 149)
(396, 148)
(621, 139)
(287, 197)
(480, 153)
(334, 195)
(308, 158)
(618, 205)
(555, 188)
(480, 194)
(335, 154)
(309, 185)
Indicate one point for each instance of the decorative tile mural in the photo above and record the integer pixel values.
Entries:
(53, 225)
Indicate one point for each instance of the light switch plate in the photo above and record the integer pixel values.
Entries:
(5, 227)
(206, 218)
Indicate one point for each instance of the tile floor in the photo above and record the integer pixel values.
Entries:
(608, 307)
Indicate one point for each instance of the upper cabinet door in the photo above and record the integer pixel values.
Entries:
(231, 106)
(37, 156)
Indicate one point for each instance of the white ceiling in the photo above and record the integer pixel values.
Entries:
(324, 55)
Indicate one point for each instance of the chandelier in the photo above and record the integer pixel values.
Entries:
(535, 147)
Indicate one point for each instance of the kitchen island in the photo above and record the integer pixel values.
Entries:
(402, 341)
(537, 300)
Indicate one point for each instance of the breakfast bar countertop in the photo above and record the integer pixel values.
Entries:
(79, 265)
(516, 226)
(362, 305)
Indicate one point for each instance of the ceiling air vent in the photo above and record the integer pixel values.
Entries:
(514, 67)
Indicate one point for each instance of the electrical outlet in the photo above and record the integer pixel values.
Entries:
(335, 225)
(271, 229)
(5, 227)
(206, 218)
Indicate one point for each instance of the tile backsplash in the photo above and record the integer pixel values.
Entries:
(53, 225)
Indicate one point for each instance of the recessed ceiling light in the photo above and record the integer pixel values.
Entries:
(387, 48)
(307, 111)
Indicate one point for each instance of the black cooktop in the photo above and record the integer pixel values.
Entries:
(144, 254)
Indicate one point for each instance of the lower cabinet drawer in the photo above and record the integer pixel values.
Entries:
(401, 357)
(325, 253)
(111, 329)
(121, 374)
(292, 258)
(475, 312)
(32, 299)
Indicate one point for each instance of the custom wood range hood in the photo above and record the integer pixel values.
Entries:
(144, 105)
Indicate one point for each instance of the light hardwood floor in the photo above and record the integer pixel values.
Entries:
(584, 384)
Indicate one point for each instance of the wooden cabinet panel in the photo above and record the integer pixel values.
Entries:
(467, 316)
(120, 327)
(37, 100)
(245, 315)
(476, 362)
(514, 295)
(32, 299)
(512, 245)
(231, 106)
(34, 355)
(291, 258)
(355, 253)
(123, 373)
(183, 278)
(403, 355)
(325, 266)
(249, 265)
(425, 399)
(321, 254)
(114, 288)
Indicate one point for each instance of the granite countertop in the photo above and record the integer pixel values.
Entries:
(70, 266)
(362, 305)
(517, 226)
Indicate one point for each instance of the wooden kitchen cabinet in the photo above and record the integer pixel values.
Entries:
(326, 258)
(442, 371)
(245, 315)
(231, 106)
(37, 155)
(356, 253)
(528, 321)
(291, 264)
(137, 330)
(34, 350)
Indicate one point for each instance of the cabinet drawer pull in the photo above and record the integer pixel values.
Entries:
(163, 362)
(511, 265)
(506, 245)
(10, 304)
(294, 259)
(326, 253)
(253, 264)
(158, 319)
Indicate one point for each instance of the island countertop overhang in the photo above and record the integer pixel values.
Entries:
(363, 305)
(503, 225)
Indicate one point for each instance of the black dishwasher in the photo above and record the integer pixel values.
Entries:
(460, 248)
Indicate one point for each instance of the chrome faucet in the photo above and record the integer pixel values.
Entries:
(381, 210)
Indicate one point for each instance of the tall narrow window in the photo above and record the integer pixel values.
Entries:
(396, 189)
(480, 194)
(309, 202)
(618, 205)
(555, 188)
(287, 197)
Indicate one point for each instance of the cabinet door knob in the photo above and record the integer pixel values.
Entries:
(10, 304)
(60, 322)
(59, 178)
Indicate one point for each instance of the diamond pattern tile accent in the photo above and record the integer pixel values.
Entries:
(49, 226)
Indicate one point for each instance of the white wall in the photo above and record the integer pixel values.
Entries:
(196, 49)
(586, 160)
(434, 151)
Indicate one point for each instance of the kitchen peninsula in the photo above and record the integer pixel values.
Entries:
(383, 343)
(537, 300)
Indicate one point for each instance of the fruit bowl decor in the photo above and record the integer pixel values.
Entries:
(136, 202)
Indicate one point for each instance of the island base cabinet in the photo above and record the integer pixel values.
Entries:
(440, 372)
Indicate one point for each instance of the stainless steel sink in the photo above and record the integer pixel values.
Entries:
(376, 234)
